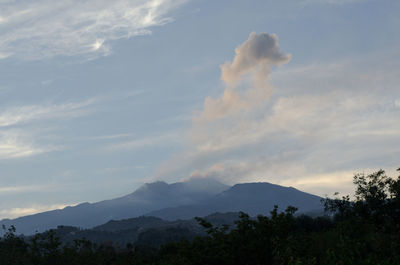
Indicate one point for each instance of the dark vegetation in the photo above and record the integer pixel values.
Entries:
(365, 230)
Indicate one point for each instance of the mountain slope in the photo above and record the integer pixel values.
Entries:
(252, 198)
(149, 197)
(143, 230)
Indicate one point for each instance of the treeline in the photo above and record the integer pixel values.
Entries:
(365, 230)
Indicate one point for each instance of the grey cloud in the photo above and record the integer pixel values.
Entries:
(252, 62)
(255, 55)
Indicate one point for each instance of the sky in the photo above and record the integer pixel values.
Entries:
(98, 97)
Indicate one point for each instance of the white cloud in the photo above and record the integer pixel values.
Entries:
(18, 140)
(27, 113)
(20, 189)
(17, 144)
(397, 103)
(4, 55)
(45, 28)
(97, 45)
(33, 209)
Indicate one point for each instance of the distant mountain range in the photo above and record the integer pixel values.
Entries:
(181, 200)
(143, 230)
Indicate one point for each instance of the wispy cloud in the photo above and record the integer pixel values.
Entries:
(111, 137)
(17, 139)
(20, 189)
(333, 2)
(146, 142)
(27, 113)
(35, 208)
(45, 28)
(397, 103)
(17, 144)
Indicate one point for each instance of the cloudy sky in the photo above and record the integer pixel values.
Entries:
(98, 97)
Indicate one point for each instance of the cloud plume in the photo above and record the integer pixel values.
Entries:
(246, 77)
(313, 133)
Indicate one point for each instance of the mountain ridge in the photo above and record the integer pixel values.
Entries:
(181, 200)
(148, 197)
(252, 198)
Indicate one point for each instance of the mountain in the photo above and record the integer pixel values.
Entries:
(149, 197)
(181, 200)
(252, 198)
(143, 230)
(131, 223)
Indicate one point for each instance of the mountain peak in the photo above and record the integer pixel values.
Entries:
(154, 185)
